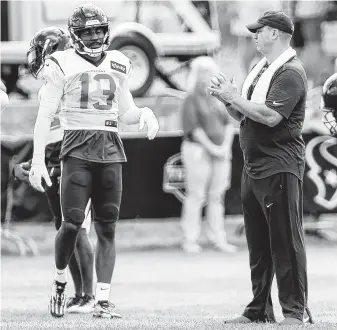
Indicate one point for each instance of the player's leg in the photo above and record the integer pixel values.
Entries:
(53, 197)
(287, 243)
(261, 264)
(106, 199)
(198, 169)
(75, 193)
(85, 251)
(219, 183)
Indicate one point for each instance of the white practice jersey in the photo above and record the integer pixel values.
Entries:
(56, 132)
(91, 92)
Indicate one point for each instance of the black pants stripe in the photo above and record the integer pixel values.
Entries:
(273, 213)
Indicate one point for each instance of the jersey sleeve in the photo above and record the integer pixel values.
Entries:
(50, 97)
(286, 90)
(125, 101)
(53, 72)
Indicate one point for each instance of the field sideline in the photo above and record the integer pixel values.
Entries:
(163, 289)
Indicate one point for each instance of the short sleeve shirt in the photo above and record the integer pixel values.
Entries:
(270, 150)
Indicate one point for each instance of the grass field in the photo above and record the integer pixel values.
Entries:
(164, 289)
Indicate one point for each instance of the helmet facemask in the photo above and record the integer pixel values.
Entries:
(330, 120)
(36, 56)
(83, 47)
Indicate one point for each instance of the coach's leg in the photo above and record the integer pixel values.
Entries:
(287, 241)
(261, 265)
(106, 200)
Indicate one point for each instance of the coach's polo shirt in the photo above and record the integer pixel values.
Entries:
(270, 150)
(206, 114)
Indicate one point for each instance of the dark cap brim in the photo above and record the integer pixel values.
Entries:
(254, 27)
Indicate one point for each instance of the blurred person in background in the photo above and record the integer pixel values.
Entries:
(271, 112)
(3, 96)
(206, 153)
(44, 43)
(91, 84)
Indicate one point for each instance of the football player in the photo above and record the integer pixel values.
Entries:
(91, 84)
(329, 104)
(44, 43)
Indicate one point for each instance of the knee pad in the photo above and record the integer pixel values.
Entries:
(74, 216)
(70, 229)
(108, 213)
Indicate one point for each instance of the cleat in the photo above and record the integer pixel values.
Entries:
(73, 303)
(57, 299)
(105, 309)
(87, 305)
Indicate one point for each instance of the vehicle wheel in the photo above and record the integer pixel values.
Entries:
(142, 55)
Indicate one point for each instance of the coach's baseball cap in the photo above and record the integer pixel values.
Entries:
(276, 19)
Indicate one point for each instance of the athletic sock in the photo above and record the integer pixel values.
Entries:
(61, 275)
(102, 291)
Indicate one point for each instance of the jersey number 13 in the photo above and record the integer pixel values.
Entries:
(110, 92)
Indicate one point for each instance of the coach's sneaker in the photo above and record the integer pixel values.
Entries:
(87, 304)
(105, 309)
(73, 303)
(57, 300)
(307, 317)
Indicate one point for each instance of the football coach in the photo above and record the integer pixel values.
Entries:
(271, 111)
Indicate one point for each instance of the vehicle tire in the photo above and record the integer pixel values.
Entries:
(142, 55)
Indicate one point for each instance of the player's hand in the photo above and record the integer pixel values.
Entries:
(21, 171)
(36, 174)
(147, 117)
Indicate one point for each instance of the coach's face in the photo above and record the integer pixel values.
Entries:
(264, 38)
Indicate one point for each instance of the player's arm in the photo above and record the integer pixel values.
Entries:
(21, 171)
(131, 114)
(3, 86)
(49, 102)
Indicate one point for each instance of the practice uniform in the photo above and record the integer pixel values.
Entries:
(92, 151)
(53, 164)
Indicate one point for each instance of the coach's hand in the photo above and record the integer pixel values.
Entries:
(38, 172)
(147, 117)
(224, 89)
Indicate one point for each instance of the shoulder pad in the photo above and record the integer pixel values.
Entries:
(53, 72)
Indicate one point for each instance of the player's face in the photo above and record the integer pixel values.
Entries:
(92, 37)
